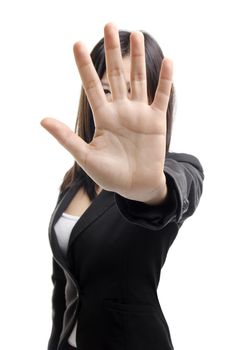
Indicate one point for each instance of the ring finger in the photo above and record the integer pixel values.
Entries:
(138, 67)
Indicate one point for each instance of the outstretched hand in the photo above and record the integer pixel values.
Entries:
(127, 153)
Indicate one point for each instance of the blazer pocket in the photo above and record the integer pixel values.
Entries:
(136, 326)
(141, 308)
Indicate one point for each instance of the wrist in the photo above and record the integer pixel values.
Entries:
(157, 196)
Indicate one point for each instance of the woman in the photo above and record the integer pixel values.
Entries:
(122, 203)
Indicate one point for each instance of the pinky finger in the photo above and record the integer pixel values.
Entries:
(163, 90)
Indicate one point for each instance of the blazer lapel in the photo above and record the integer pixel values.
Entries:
(98, 206)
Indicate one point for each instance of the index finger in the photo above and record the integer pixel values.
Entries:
(91, 81)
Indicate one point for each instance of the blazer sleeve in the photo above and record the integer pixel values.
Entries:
(58, 304)
(184, 177)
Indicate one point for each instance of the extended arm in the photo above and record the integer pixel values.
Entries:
(184, 177)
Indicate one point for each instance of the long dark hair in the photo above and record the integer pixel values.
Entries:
(84, 125)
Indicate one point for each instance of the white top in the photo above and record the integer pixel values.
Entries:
(63, 228)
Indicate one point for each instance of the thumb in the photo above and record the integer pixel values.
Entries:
(67, 138)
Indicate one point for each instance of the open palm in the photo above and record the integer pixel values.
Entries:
(127, 153)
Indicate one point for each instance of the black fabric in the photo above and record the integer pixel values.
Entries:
(70, 347)
(58, 299)
(116, 251)
(145, 214)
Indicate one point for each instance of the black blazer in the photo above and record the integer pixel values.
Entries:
(115, 254)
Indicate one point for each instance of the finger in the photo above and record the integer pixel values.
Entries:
(91, 82)
(68, 139)
(163, 90)
(114, 62)
(138, 67)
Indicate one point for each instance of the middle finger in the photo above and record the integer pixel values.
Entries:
(114, 62)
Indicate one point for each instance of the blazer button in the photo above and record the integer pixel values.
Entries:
(185, 205)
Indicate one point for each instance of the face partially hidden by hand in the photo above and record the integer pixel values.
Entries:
(127, 152)
(105, 82)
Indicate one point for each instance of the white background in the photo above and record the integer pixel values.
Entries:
(39, 78)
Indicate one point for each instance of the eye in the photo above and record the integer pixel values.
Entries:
(106, 91)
